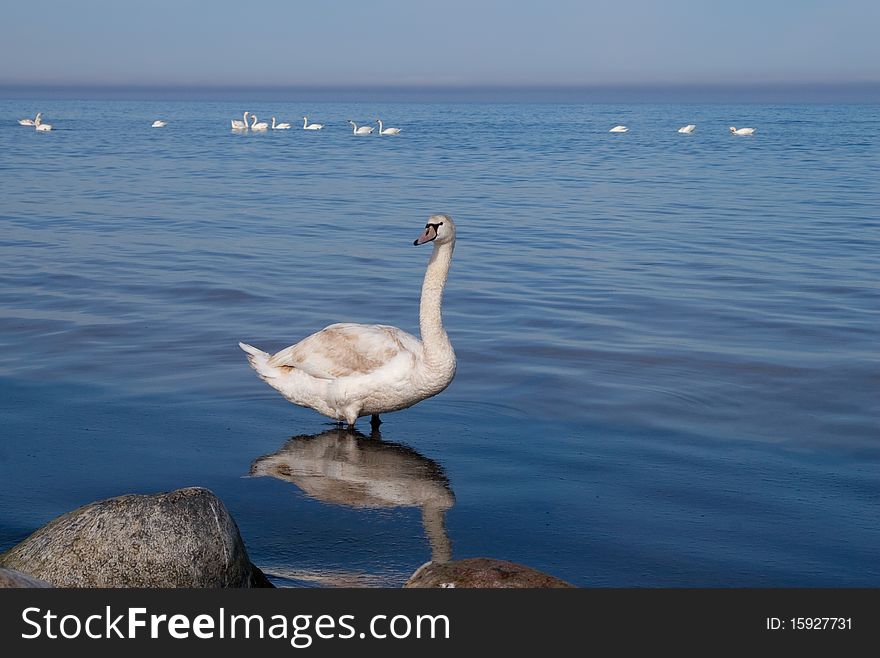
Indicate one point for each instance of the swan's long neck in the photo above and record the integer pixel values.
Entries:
(438, 349)
(254, 121)
(305, 122)
(380, 125)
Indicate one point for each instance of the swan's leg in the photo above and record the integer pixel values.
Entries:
(375, 421)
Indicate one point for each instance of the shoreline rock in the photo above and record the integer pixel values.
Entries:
(181, 538)
(482, 572)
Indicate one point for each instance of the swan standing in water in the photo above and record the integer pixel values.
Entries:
(158, 123)
(346, 371)
(618, 129)
(280, 126)
(311, 126)
(688, 129)
(363, 130)
(27, 122)
(258, 127)
(240, 125)
(742, 131)
(387, 131)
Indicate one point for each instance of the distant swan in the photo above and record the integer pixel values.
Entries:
(27, 122)
(387, 131)
(311, 126)
(241, 125)
(688, 129)
(363, 130)
(280, 126)
(742, 131)
(258, 127)
(618, 129)
(158, 123)
(40, 126)
(350, 370)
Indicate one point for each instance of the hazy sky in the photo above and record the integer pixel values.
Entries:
(442, 42)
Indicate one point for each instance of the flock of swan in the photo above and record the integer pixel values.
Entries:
(37, 123)
(691, 127)
(255, 125)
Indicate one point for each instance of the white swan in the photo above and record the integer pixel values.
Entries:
(27, 122)
(350, 370)
(363, 130)
(618, 129)
(158, 123)
(742, 131)
(40, 126)
(688, 129)
(258, 127)
(311, 126)
(280, 126)
(240, 125)
(387, 131)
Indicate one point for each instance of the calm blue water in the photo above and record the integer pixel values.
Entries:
(667, 344)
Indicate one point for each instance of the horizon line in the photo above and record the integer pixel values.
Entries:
(851, 91)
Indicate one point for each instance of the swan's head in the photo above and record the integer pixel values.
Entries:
(733, 129)
(439, 229)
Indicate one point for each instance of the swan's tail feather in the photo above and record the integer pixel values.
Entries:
(259, 360)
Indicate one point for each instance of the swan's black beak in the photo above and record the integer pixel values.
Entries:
(429, 234)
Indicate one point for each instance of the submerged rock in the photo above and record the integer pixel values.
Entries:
(10, 578)
(481, 572)
(182, 538)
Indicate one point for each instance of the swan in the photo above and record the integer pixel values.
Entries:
(26, 122)
(280, 126)
(387, 131)
(311, 126)
(40, 126)
(688, 129)
(346, 371)
(618, 129)
(742, 131)
(363, 130)
(240, 125)
(158, 123)
(258, 127)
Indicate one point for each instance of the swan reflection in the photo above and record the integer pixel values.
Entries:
(344, 467)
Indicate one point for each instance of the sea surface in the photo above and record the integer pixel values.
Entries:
(668, 364)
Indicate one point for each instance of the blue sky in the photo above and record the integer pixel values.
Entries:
(439, 43)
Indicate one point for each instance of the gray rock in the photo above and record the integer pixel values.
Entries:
(10, 578)
(183, 538)
(481, 572)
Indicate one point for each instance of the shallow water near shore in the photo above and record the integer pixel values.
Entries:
(667, 344)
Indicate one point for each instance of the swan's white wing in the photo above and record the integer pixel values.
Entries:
(347, 349)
